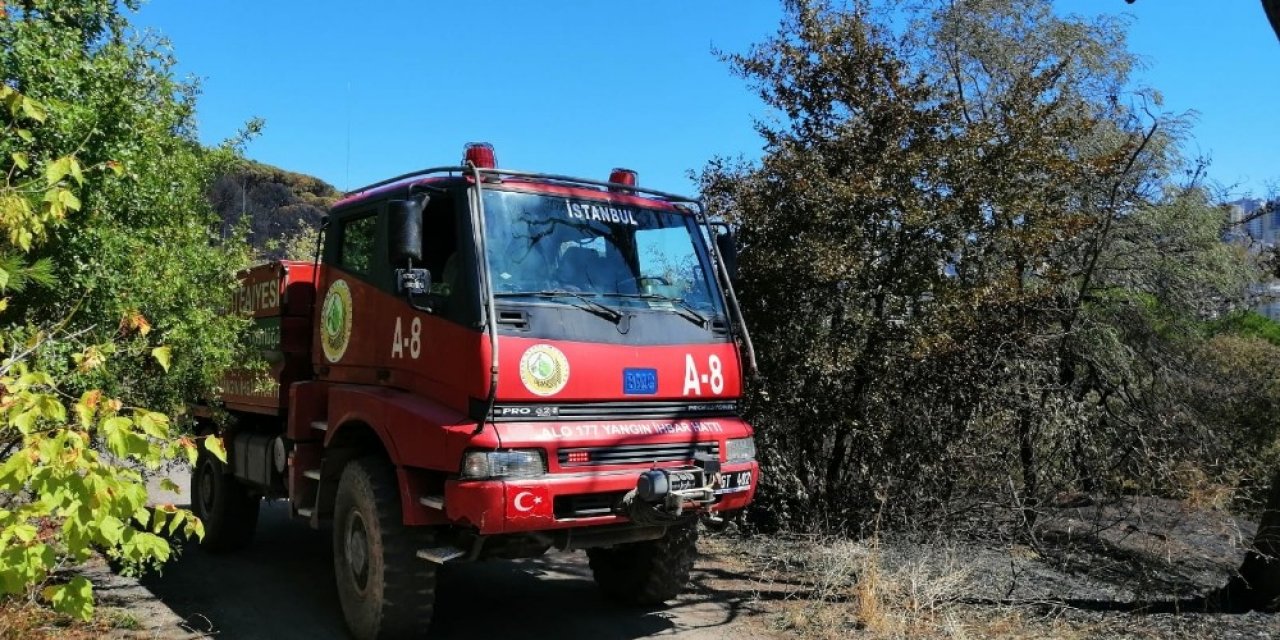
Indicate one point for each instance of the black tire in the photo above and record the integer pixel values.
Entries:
(228, 508)
(647, 573)
(386, 590)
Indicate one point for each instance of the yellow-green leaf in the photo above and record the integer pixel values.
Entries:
(111, 527)
(20, 159)
(195, 527)
(158, 519)
(74, 598)
(161, 354)
(33, 109)
(115, 424)
(25, 532)
(73, 165)
(176, 521)
(214, 446)
(24, 421)
(68, 199)
(55, 171)
(190, 448)
(85, 414)
(153, 424)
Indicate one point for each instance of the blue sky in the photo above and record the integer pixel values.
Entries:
(580, 87)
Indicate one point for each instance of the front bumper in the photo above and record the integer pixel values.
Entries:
(563, 500)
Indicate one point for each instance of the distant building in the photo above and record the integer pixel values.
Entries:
(1251, 224)
(1269, 300)
(1246, 221)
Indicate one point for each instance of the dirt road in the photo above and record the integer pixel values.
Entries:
(282, 587)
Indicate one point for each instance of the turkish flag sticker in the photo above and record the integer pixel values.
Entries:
(528, 502)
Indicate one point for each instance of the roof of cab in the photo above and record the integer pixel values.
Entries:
(507, 184)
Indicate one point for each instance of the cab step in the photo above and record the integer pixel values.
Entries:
(314, 474)
(320, 425)
(305, 511)
(432, 502)
(441, 555)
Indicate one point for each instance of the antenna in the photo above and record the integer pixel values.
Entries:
(347, 180)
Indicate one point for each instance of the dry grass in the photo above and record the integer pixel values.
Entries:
(1199, 491)
(21, 620)
(24, 620)
(838, 589)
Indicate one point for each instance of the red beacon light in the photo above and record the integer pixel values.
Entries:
(480, 154)
(624, 177)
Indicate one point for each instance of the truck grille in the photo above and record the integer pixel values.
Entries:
(586, 505)
(636, 453)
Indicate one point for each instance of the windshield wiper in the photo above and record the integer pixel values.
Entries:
(589, 305)
(678, 306)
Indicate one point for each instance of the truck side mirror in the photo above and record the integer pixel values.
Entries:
(404, 230)
(727, 243)
(404, 247)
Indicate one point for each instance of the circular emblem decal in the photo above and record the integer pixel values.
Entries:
(544, 370)
(335, 321)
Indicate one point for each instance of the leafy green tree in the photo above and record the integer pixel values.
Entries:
(142, 242)
(71, 478)
(114, 287)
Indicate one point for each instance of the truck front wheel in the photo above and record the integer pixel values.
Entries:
(385, 589)
(650, 572)
(228, 508)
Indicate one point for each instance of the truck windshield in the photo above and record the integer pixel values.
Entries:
(617, 255)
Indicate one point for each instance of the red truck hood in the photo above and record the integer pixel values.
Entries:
(556, 371)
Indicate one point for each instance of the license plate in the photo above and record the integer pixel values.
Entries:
(684, 479)
(639, 381)
(734, 482)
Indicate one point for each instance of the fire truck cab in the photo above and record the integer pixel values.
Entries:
(490, 363)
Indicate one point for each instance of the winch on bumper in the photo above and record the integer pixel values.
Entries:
(662, 496)
(659, 495)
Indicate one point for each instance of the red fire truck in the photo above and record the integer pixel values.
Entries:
(486, 363)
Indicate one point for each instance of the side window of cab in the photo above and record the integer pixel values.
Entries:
(440, 247)
(356, 253)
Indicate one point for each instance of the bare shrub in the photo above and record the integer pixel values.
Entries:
(983, 278)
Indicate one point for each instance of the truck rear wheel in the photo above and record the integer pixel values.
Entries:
(385, 589)
(228, 508)
(650, 572)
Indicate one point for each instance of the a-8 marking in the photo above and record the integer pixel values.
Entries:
(411, 342)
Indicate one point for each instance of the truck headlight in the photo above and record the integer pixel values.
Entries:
(740, 450)
(519, 463)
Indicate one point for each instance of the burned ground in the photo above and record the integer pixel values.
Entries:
(1136, 568)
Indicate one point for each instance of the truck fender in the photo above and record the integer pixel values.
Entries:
(417, 435)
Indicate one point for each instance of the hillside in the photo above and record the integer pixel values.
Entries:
(279, 207)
